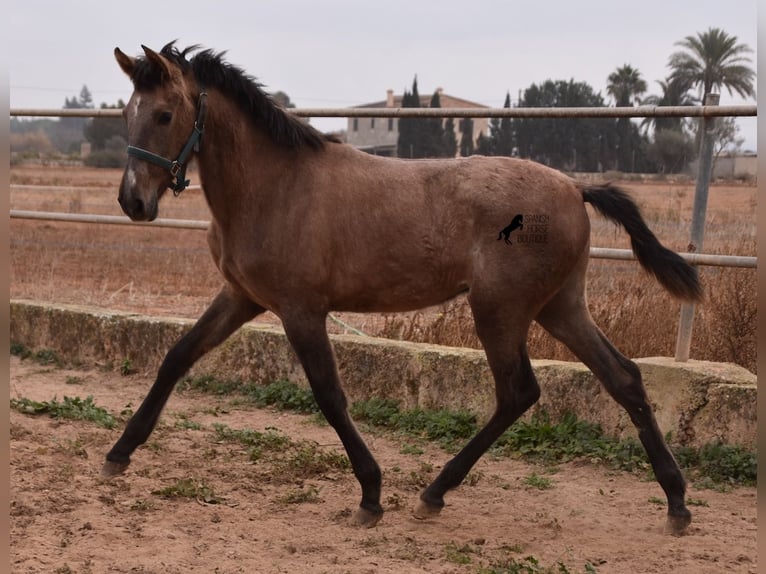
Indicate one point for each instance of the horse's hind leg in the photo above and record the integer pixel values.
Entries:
(308, 337)
(567, 318)
(516, 390)
(226, 314)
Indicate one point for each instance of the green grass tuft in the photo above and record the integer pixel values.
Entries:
(72, 408)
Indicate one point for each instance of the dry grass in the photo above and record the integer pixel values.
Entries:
(166, 271)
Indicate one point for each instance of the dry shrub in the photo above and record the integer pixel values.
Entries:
(725, 326)
(449, 324)
(632, 310)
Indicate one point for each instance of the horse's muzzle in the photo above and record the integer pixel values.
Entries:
(138, 209)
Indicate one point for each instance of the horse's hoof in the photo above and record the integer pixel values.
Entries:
(364, 518)
(112, 469)
(678, 523)
(424, 511)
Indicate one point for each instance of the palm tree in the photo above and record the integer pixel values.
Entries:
(674, 93)
(713, 60)
(625, 85)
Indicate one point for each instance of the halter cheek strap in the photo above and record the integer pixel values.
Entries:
(177, 167)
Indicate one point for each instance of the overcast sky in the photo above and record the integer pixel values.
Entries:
(339, 53)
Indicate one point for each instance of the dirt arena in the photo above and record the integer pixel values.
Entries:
(253, 516)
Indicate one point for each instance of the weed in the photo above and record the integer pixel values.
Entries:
(73, 408)
(539, 482)
(73, 447)
(297, 459)
(531, 565)
(186, 424)
(285, 396)
(189, 488)
(280, 394)
(73, 380)
(20, 350)
(458, 554)
(42, 357)
(540, 440)
(126, 368)
(210, 384)
(411, 449)
(442, 426)
(543, 441)
(301, 496)
(730, 464)
(307, 460)
(473, 478)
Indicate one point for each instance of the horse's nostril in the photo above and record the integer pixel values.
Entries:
(133, 208)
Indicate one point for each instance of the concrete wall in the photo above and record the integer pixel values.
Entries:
(698, 401)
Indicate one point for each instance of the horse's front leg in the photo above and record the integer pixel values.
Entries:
(228, 311)
(308, 337)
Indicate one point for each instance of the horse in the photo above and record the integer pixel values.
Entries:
(303, 225)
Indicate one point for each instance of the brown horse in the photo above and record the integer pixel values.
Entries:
(303, 225)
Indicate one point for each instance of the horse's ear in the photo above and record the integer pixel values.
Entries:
(127, 63)
(157, 60)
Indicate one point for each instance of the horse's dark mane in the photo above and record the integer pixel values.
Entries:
(212, 71)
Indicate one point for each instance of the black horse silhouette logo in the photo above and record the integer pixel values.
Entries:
(517, 223)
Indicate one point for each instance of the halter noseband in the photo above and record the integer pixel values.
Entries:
(177, 167)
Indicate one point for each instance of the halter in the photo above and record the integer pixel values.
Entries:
(177, 168)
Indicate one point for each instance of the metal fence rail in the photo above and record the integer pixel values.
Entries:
(623, 112)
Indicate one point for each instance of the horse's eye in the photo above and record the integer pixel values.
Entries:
(165, 118)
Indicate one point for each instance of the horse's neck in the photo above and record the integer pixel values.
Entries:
(236, 160)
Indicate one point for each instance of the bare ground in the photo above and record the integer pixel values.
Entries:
(66, 518)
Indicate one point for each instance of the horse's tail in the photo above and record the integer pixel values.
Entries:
(670, 269)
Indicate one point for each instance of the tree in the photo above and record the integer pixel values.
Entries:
(466, 137)
(484, 145)
(432, 137)
(100, 130)
(671, 151)
(712, 60)
(579, 144)
(449, 141)
(86, 99)
(409, 128)
(674, 93)
(626, 86)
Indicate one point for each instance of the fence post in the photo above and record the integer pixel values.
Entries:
(704, 172)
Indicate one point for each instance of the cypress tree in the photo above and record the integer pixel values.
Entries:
(466, 137)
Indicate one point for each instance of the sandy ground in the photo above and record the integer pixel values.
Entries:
(66, 518)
